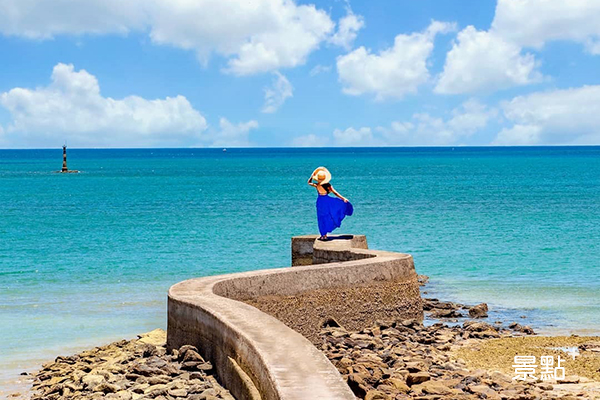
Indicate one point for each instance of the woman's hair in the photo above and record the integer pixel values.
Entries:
(327, 186)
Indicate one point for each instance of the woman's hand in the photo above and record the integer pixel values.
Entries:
(345, 200)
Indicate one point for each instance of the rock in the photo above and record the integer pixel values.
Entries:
(157, 337)
(105, 387)
(205, 367)
(416, 366)
(434, 387)
(398, 384)
(544, 386)
(148, 350)
(192, 355)
(159, 379)
(527, 330)
(484, 391)
(489, 333)
(330, 322)
(124, 395)
(92, 380)
(177, 392)
(416, 378)
(156, 390)
(376, 395)
(479, 311)
(357, 384)
(183, 349)
(570, 379)
(140, 388)
(446, 314)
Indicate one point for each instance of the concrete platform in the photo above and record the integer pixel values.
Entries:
(255, 354)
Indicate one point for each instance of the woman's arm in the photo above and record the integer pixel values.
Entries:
(338, 195)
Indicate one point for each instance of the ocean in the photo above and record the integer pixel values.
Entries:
(88, 258)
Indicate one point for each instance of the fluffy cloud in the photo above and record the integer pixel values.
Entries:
(230, 134)
(354, 137)
(347, 30)
(425, 129)
(555, 117)
(256, 36)
(532, 23)
(277, 93)
(72, 108)
(393, 72)
(422, 129)
(496, 59)
(482, 60)
(39, 19)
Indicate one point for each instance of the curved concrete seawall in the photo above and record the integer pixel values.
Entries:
(256, 355)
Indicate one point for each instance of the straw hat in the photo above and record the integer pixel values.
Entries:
(322, 175)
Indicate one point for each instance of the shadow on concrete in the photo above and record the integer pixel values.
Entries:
(338, 237)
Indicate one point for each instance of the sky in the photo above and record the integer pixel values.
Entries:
(271, 73)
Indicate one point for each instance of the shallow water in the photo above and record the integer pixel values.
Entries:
(87, 258)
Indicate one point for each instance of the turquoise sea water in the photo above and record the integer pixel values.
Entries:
(87, 258)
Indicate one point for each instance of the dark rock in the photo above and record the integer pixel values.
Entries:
(357, 386)
(106, 388)
(417, 377)
(192, 355)
(183, 349)
(446, 313)
(148, 350)
(479, 311)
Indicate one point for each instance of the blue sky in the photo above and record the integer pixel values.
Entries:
(222, 73)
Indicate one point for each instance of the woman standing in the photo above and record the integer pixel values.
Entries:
(330, 211)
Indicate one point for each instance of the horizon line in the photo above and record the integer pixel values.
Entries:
(306, 147)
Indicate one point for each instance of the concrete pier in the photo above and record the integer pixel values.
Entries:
(255, 354)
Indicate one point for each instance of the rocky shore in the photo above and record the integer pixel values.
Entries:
(404, 359)
(457, 354)
(130, 370)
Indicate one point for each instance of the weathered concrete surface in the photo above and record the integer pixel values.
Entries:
(282, 364)
(353, 303)
(302, 246)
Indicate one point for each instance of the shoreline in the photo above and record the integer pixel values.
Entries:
(432, 318)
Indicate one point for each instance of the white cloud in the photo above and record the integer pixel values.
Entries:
(347, 30)
(277, 93)
(39, 19)
(393, 72)
(482, 60)
(256, 36)
(354, 137)
(320, 69)
(495, 59)
(425, 129)
(310, 140)
(230, 134)
(567, 116)
(519, 135)
(72, 108)
(532, 23)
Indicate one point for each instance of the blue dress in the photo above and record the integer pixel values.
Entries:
(330, 213)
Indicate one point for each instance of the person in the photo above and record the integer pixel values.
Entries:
(330, 211)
